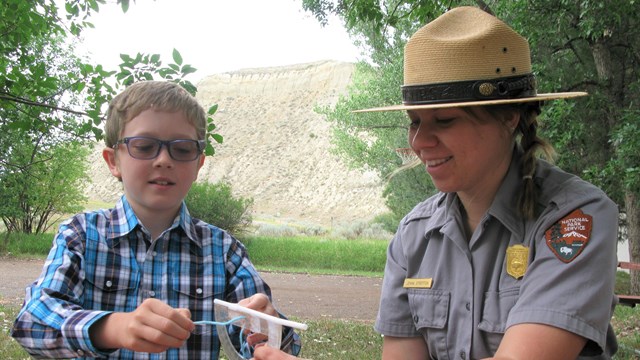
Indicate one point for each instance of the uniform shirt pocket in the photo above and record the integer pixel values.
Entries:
(430, 311)
(497, 306)
(430, 308)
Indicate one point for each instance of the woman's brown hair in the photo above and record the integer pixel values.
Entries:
(531, 146)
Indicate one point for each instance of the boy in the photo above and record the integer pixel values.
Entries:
(131, 280)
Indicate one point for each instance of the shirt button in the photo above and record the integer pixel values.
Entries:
(468, 306)
(199, 291)
(80, 352)
(154, 253)
(152, 293)
(415, 319)
(108, 284)
(463, 355)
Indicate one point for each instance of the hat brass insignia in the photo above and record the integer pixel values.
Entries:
(486, 89)
(517, 260)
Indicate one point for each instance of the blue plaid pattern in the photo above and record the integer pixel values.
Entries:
(105, 261)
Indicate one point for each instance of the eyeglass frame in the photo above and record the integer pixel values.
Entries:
(200, 144)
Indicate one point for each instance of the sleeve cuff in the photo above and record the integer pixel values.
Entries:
(76, 332)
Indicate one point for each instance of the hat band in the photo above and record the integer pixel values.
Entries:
(475, 90)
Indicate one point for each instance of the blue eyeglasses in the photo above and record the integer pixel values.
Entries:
(147, 148)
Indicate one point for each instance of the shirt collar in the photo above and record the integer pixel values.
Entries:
(124, 220)
(186, 222)
(505, 204)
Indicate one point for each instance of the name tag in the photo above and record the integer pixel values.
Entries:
(418, 283)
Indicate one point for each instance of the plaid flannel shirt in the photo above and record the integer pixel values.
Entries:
(105, 261)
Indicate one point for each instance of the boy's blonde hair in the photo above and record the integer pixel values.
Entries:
(159, 95)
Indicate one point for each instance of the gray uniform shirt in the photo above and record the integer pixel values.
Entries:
(458, 294)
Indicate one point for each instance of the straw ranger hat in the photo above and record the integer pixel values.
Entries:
(467, 57)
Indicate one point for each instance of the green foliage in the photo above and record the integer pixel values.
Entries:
(360, 230)
(41, 183)
(216, 205)
(41, 74)
(389, 221)
(406, 189)
(51, 102)
(626, 143)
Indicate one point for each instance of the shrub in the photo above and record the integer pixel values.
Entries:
(215, 204)
(389, 221)
(360, 229)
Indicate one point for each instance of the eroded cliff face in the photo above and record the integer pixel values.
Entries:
(276, 148)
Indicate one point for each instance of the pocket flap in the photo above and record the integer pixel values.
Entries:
(430, 308)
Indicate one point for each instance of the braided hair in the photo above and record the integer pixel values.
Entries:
(531, 146)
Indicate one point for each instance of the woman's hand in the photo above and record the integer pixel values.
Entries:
(259, 302)
(263, 352)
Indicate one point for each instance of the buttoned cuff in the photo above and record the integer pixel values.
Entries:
(75, 330)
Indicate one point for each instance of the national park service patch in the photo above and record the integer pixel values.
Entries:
(568, 237)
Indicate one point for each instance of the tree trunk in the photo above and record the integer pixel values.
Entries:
(633, 232)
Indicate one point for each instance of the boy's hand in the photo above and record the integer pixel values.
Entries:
(153, 327)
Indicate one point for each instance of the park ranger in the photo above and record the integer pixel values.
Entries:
(513, 258)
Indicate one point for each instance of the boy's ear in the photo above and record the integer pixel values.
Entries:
(201, 161)
(109, 156)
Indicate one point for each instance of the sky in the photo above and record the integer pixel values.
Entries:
(216, 36)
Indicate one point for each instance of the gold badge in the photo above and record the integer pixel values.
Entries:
(418, 283)
(517, 260)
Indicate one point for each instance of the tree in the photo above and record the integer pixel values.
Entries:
(576, 45)
(42, 185)
(29, 27)
(368, 142)
(593, 46)
(52, 102)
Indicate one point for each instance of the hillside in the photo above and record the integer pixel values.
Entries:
(276, 148)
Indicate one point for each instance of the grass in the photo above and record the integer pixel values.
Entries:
(326, 338)
(337, 339)
(9, 348)
(626, 324)
(26, 245)
(318, 255)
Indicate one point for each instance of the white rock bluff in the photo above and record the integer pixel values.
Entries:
(276, 148)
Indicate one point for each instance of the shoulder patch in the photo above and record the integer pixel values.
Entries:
(568, 237)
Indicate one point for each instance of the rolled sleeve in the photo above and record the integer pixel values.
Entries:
(577, 296)
(394, 314)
